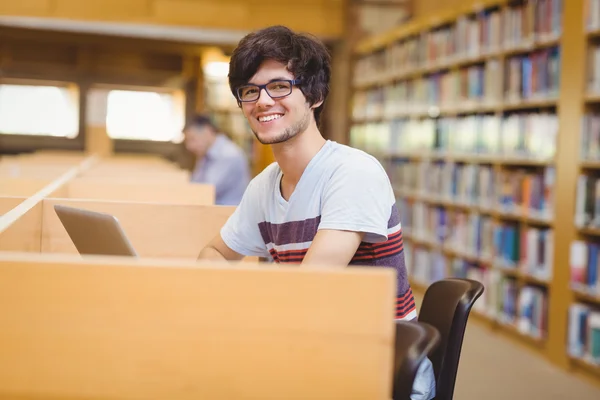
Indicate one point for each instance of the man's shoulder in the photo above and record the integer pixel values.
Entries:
(346, 158)
(229, 150)
(264, 181)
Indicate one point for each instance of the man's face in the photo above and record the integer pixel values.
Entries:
(276, 120)
(197, 139)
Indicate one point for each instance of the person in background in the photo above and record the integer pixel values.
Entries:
(220, 161)
(321, 202)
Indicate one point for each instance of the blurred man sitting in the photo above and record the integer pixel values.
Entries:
(220, 161)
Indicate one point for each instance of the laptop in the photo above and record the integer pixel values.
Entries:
(94, 233)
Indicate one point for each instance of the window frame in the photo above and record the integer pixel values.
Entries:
(168, 149)
(179, 95)
(14, 142)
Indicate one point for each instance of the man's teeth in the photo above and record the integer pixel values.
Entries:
(269, 118)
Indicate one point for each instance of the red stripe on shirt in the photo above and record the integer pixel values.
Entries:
(405, 304)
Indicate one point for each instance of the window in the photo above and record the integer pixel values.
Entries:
(28, 109)
(145, 115)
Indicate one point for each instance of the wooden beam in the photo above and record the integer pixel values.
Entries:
(570, 110)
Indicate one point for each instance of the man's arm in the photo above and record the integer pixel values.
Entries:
(356, 207)
(241, 235)
(217, 250)
(333, 247)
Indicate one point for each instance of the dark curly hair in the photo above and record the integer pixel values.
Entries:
(306, 58)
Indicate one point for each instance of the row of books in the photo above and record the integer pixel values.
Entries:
(504, 244)
(488, 304)
(524, 308)
(521, 135)
(533, 19)
(590, 136)
(533, 76)
(526, 191)
(592, 14)
(476, 85)
(530, 77)
(426, 266)
(593, 68)
(464, 184)
(513, 191)
(478, 34)
(528, 249)
(587, 202)
(472, 37)
(532, 308)
(482, 33)
(584, 263)
(584, 332)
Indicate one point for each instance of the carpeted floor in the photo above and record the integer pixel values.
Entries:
(495, 368)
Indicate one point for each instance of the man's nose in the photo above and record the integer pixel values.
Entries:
(264, 98)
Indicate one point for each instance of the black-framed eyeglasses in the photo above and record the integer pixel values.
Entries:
(275, 89)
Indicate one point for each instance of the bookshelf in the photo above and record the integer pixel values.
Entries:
(489, 128)
(584, 307)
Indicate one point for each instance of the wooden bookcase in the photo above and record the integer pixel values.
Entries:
(479, 116)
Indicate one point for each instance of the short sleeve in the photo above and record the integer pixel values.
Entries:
(359, 198)
(241, 232)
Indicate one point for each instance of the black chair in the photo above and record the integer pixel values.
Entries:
(414, 341)
(446, 306)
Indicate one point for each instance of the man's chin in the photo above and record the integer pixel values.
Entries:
(271, 138)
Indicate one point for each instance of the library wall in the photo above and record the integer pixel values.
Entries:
(487, 121)
(320, 17)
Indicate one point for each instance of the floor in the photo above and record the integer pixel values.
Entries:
(518, 374)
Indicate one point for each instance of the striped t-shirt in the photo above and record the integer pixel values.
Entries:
(341, 188)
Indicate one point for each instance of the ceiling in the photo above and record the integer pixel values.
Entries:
(150, 31)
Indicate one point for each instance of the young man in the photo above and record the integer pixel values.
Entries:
(320, 202)
(219, 161)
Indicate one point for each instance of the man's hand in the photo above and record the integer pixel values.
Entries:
(217, 250)
(333, 247)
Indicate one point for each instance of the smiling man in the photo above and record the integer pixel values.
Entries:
(321, 202)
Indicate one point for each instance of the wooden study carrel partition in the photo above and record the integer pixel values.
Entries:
(21, 186)
(139, 179)
(135, 190)
(167, 219)
(140, 329)
(166, 326)
(155, 229)
(7, 203)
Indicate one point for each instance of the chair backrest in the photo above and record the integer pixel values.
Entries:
(446, 306)
(414, 341)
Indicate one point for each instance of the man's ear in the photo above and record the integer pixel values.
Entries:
(317, 104)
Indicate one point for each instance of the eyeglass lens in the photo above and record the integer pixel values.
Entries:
(274, 89)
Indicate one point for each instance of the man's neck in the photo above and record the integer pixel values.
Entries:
(294, 155)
